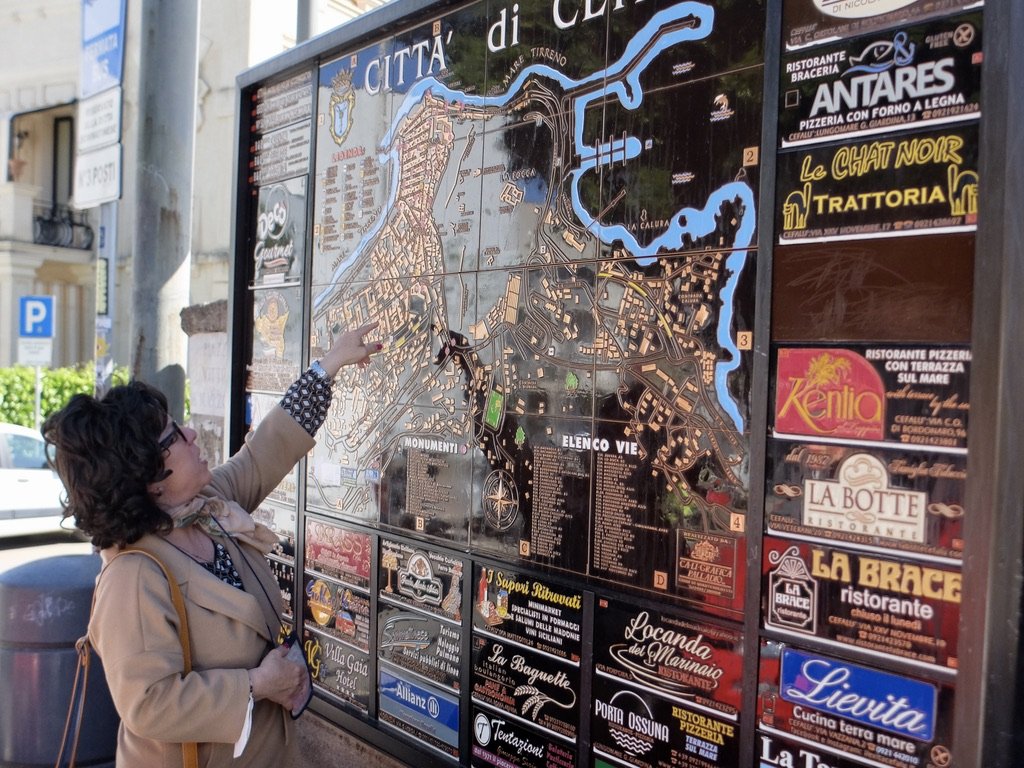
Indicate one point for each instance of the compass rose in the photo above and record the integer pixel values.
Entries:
(501, 500)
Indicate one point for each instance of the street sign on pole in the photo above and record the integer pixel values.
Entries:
(35, 330)
(98, 177)
(35, 338)
(99, 121)
(35, 317)
(102, 46)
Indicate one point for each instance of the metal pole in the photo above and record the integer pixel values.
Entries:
(105, 298)
(303, 22)
(39, 396)
(161, 241)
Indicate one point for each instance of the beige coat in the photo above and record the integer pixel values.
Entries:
(134, 631)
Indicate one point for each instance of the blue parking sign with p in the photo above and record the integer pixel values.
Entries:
(35, 317)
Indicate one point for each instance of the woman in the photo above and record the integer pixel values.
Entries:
(133, 476)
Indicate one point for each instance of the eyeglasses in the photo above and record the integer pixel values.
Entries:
(165, 443)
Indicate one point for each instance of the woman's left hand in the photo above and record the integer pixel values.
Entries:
(348, 348)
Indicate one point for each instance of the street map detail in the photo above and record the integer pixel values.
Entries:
(550, 209)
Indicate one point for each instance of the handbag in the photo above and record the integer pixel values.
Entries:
(76, 708)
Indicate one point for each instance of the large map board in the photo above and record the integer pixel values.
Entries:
(549, 471)
(556, 236)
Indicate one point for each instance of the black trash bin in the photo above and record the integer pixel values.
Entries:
(44, 609)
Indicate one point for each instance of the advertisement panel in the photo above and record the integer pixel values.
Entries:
(884, 395)
(697, 663)
(886, 290)
(921, 75)
(634, 727)
(277, 341)
(806, 22)
(501, 742)
(337, 610)
(423, 711)
(529, 611)
(423, 579)
(908, 184)
(338, 552)
(881, 604)
(854, 712)
(427, 646)
(282, 522)
(338, 669)
(532, 687)
(892, 500)
(280, 240)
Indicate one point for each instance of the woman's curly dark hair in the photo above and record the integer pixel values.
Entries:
(106, 453)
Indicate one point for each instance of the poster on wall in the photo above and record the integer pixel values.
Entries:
(421, 578)
(886, 290)
(427, 646)
(497, 740)
(849, 711)
(884, 605)
(908, 184)
(806, 22)
(666, 689)
(337, 552)
(533, 612)
(419, 709)
(884, 395)
(533, 687)
(910, 76)
(906, 501)
(338, 669)
(553, 263)
(277, 339)
(279, 245)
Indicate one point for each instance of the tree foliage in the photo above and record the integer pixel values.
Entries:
(18, 390)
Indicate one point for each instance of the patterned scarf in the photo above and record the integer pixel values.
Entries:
(219, 517)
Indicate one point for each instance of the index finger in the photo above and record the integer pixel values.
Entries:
(367, 328)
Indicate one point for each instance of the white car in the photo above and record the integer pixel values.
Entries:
(30, 492)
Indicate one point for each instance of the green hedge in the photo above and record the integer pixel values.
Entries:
(18, 390)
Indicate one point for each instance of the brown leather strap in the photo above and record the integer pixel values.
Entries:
(77, 705)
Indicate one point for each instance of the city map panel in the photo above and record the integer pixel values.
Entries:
(551, 213)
